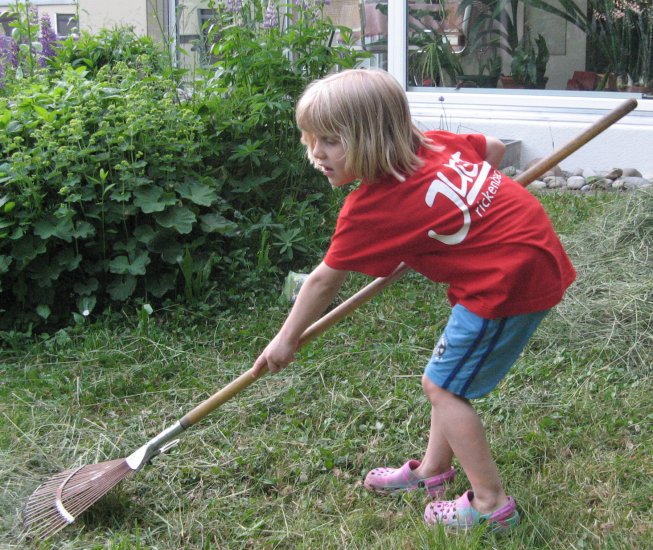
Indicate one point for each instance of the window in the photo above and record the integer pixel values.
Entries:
(561, 45)
(66, 24)
(206, 19)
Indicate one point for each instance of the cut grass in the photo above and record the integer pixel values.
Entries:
(281, 465)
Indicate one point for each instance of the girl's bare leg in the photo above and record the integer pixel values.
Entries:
(457, 430)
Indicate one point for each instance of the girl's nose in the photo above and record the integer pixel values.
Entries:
(318, 151)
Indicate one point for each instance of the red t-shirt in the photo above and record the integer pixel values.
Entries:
(460, 222)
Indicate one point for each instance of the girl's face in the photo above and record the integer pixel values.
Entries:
(329, 155)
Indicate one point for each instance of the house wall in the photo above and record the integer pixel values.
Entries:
(98, 14)
(95, 14)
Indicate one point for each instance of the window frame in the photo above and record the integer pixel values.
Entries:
(553, 105)
(71, 17)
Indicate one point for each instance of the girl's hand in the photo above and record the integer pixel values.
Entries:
(315, 295)
(278, 354)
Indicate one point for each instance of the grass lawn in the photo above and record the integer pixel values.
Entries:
(281, 465)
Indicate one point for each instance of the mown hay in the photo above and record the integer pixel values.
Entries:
(610, 306)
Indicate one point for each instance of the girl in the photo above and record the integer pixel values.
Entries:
(437, 202)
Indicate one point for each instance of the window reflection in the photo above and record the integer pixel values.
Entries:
(577, 45)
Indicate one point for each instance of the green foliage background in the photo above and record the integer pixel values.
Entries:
(122, 181)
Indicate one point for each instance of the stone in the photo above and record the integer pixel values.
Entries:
(589, 173)
(631, 182)
(631, 173)
(555, 171)
(537, 184)
(577, 172)
(576, 182)
(555, 182)
(602, 183)
(510, 171)
(613, 174)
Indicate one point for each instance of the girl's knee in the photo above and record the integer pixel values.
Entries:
(437, 395)
(433, 392)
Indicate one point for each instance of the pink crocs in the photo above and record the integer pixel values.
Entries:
(459, 514)
(393, 480)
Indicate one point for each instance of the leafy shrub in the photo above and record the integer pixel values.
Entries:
(108, 47)
(115, 188)
(103, 192)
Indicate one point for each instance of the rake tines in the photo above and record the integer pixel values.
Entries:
(60, 499)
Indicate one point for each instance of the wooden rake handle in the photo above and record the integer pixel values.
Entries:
(368, 292)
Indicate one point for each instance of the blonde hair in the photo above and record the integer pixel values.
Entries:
(367, 110)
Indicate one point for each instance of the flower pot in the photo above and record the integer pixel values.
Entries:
(476, 81)
(509, 82)
(639, 89)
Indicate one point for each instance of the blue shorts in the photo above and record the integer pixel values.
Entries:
(474, 354)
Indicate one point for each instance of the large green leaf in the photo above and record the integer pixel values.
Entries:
(83, 230)
(179, 218)
(85, 288)
(122, 287)
(5, 262)
(161, 283)
(68, 260)
(27, 248)
(122, 265)
(197, 193)
(216, 223)
(51, 227)
(152, 199)
(144, 234)
(164, 242)
(44, 272)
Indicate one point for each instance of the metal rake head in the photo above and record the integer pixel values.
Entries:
(59, 500)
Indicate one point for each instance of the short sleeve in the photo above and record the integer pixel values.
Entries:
(478, 142)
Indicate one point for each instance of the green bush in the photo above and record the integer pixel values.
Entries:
(102, 193)
(108, 47)
(115, 187)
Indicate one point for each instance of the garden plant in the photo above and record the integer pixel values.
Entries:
(122, 181)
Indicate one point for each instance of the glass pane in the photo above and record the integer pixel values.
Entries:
(586, 45)
(374, 32)
(436, 43)
(66, 24)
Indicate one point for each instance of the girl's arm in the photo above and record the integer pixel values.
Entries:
(494, 151)
(315, 295)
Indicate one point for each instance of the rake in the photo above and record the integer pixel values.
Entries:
(58, 501)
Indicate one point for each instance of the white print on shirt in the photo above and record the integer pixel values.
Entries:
(458, 195)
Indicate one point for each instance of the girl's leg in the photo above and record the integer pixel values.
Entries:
(457, 429)
(438, 456)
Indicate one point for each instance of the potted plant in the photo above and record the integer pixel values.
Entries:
(496, 25)
(488, 71)
(528, 65)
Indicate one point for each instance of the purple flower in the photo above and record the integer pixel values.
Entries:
(8, 51)
(48, 37)
(271, 18)
(234, 6)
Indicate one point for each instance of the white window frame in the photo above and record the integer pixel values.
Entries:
(542, 120)
(72, 16)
